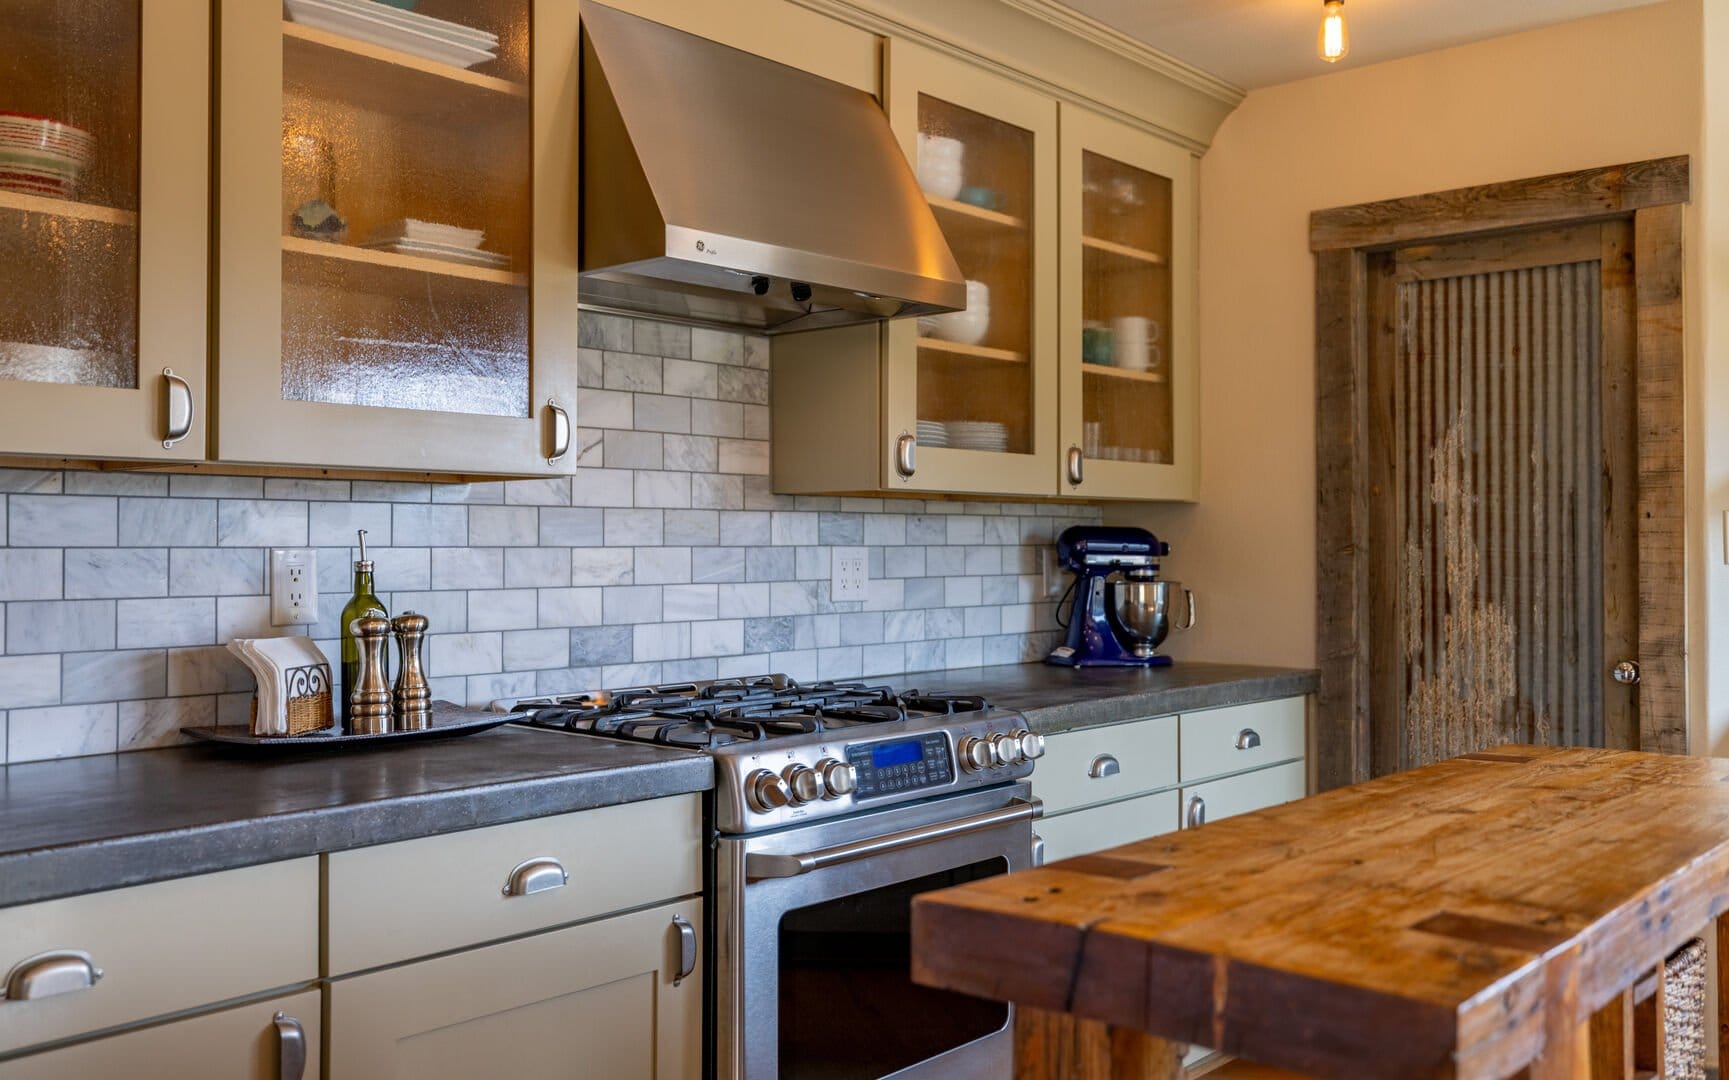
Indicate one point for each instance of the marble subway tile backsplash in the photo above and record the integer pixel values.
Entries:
(667, 557)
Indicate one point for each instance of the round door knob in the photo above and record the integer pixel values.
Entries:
(839, 778)
(1032, 745)
(1627, 672)
(975, 754)
(766, 791)
(805, 783)
(1006, 748)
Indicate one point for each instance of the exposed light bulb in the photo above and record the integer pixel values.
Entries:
(1334, 41)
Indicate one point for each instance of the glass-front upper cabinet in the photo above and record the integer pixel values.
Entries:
(397, 225)
(1128, 370)
(104, 179)
(972, 394)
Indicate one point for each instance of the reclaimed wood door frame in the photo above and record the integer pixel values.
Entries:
(1650, 194)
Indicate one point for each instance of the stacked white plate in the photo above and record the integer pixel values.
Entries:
(978, 435)
(392, 27)
(431, 240)
(933, 433)
(39, 156)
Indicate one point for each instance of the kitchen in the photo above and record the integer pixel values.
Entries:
(673, 539)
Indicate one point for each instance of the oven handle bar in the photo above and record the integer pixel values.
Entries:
(758, 865)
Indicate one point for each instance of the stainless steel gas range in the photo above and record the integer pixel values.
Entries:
(835, 804)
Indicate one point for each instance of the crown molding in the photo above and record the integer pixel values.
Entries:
(1109, 37)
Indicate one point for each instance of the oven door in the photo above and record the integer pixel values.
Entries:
(814, 945)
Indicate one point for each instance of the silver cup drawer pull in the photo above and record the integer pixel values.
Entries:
(1248, 739)
(63, 971)
(1104, 765)
(536, 876)
(1197, 812)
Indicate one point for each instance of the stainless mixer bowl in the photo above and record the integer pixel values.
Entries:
(1142, 611)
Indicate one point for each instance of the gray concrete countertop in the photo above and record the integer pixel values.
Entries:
(1062, 699)
(87, 824)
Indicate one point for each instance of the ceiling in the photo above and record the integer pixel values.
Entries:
(1255, 43)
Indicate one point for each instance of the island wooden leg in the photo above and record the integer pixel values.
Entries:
(1612, 1039)
(1057, 1046)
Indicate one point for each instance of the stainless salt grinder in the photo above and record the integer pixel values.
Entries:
(369, 698)
(413, 696)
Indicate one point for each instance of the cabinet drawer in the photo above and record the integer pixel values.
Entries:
(235, 1044)
(398, 901)
(596, 1000)
(1144, 752)
(1219, 741)
(1250, 791)
(164, 947)
(1080, 832)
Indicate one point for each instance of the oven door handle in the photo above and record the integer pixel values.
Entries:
(758, 865)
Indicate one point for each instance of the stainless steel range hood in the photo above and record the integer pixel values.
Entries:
(722, 187)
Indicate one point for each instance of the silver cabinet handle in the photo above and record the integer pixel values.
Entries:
(536, 875)
(290, 1048)
(62, 971)
(1104, 765)
(560, 430)
(906, 455)
(1077, 468)
(1248, 739)
(1626, 672)
(686, 949)
(763, 865)
(1197, 814)
(178, 408)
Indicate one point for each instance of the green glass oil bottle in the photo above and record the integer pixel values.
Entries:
(363, 600)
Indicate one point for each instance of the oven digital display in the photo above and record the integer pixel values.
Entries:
(887, 755)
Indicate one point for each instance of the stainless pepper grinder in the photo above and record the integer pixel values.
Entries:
(412, 696)
(369, 698)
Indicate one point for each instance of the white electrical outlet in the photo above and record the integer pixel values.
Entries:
(293, 586)
(851, 571)
(1052, 579)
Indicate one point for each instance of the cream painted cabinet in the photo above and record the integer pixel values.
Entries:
(1128, 394)
(600, 999)
(277, 1039)
(397, 237)
(104, 148)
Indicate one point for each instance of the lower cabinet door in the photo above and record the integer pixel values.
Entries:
(1240, 794)
(252, 1042)
(595, 1000)
(1081, 832)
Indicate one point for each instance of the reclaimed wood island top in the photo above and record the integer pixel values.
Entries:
(1473, 918)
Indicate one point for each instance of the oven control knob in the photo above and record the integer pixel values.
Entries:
(839, 778)
(975, 754)
(805, 783)
(1006, 748)
(1032, 744)
(766, 791)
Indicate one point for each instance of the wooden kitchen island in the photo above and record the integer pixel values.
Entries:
(1485, 917)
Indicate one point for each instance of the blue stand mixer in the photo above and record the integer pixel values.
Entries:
(1121, 611)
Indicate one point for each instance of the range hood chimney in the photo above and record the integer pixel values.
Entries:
(722, 187)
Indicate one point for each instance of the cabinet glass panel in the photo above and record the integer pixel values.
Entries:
(1125, 257)
(69, 133)
(975, 386)
(406, 213)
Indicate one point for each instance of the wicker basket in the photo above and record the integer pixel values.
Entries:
(1684, 1013)
(309, 702)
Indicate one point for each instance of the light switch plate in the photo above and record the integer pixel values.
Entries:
(851, 571)
(293, 586)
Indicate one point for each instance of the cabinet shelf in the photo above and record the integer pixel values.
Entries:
(66, 208)
(1125, 373)
(1123, 251)
(390, 81)
(976, 213)
(978, 352)
(323, 249)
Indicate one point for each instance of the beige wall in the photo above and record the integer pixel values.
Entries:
(1594, 92)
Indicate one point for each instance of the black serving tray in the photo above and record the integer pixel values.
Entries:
(449, 720)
